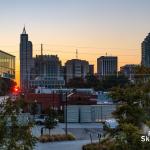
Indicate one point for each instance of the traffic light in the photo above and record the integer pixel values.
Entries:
(16, 90)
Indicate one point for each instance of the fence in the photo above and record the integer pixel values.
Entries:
(89, 113)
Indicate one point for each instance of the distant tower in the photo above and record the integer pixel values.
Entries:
(25, 59)
(107, 66)
(76, 54)
(146, 51)
(41, 49)
(76, 68)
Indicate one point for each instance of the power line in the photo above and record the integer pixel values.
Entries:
(75, 46)
(99, 54)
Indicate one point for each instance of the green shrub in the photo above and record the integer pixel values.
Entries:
(70, 137)
(53, 138)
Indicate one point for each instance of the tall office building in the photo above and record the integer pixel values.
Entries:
(91, 69)
(128, 69)
(47, 72)
(107, 65)
(76, 68)
(25, 59)
(146, 51)
(47, 66)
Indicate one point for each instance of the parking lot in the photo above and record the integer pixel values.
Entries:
(80, 131)
(71, 145)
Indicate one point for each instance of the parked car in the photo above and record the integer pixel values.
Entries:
(111, 124)
(40, 120)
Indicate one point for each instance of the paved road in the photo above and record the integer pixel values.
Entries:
(36, 130)
(81, 131)
(72, 145)
(82, 125)
(84, 133)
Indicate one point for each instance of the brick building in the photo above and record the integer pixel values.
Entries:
(44, 101)
(56, 101)
(82, 99)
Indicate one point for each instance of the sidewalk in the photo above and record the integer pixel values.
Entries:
(71, 145)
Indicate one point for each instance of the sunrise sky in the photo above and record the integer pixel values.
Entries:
(94, 27)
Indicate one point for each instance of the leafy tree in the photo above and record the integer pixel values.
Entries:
(33, 108)
(6, 85)
(50, 121)
(93, 82)
(14, 135)
(112, 81)
(3, 87)
(76, 83)
(131, 114)
(141, 74)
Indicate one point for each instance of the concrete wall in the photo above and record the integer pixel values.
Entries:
(89, 113)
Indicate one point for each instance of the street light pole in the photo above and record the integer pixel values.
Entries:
(53, 100)
(66, 111)
(66, 121)
(101, 113)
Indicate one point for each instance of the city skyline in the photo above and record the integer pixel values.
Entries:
(84, 25)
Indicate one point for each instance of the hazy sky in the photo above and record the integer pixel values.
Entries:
(94, 27)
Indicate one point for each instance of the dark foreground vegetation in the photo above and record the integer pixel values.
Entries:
(54, 138)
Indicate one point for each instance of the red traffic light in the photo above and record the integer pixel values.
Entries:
(16, 89)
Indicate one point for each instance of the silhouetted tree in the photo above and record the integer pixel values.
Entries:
(112, 81)
(131, 115)
(6, 85)
(50, 121)
(93, 82)
(76, 83)
(141, 74)
(14, 135)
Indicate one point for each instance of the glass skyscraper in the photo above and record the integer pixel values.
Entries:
(25, 59)
(7, 65)
(146, 51)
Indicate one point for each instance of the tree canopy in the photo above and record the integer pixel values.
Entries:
(50, 121)
(14, 133)
(6, 85)
(132, 113)
(92, 81)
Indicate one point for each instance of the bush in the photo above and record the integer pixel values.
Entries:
(53, 138)
(61, 118)
(93, 146)
(105, 144)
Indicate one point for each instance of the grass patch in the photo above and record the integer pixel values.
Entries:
(55, 138)
(94, 146)
(105, 144)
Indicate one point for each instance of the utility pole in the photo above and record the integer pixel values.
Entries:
(53, 100)
(41, 49)
(66, 111)
(66, 121)
(76, 53)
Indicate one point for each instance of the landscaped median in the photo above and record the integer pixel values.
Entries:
(105, 144)
(94, 146)
(56, 138)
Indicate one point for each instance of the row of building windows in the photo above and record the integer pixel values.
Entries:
(7, 65)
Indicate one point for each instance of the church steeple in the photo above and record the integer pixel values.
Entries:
(24, 30)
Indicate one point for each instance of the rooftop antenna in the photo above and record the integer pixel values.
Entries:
(76, 54)
(106, 53)
(24, 29)
(42, 49)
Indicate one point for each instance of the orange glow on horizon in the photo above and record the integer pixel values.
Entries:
(124, 58)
